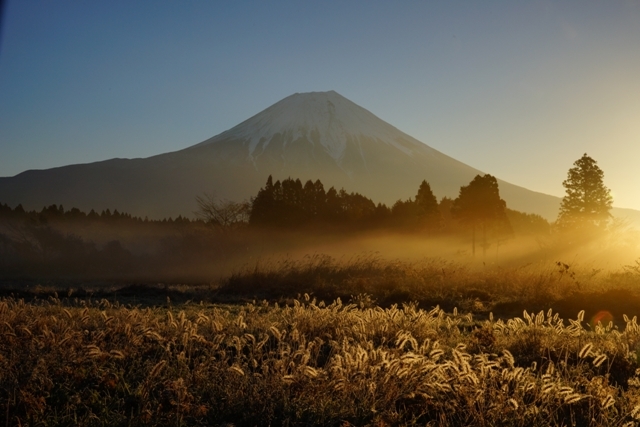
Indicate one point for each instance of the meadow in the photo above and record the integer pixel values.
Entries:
(133, 323)
(324, 341)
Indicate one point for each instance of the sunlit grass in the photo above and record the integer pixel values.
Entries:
(309, 363)
(429, 342)
(429, 282)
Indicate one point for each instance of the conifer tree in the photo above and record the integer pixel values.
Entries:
(479, 205)
(427, 207)
(587, 202)
(263, 204)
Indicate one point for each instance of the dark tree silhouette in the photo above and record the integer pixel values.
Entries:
(314, 198)
(427, 207)
(332, 210)
(405, 214)
(289, 204)
(587, 203)
(419, 214)
(526, 223)
(292, 211)
(263, 205)
(479, 205)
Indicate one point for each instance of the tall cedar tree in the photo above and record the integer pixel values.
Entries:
(587, 202)
(479, 205)
(421, 213)
(263, 205)
(427, 207)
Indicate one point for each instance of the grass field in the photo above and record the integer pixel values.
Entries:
(414, 343)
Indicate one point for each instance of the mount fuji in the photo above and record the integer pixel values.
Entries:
(316, 135)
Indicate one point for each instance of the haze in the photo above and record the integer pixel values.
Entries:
(516, 90)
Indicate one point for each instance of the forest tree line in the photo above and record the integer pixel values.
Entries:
(58, 213)
(289, 204)
(55, 241)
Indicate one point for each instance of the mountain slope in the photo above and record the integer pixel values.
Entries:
(317, 135)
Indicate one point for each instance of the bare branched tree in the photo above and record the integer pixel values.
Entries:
(221, 213)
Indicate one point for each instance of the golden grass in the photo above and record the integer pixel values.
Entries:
(87, 362)
(480, 289)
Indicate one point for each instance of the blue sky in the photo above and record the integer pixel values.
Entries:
(517, 89)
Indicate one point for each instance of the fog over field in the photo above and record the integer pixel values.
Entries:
(360, 213)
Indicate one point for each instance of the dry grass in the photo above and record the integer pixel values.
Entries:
(96, 363)
(478, 289)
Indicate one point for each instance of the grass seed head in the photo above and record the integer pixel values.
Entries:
(585, 351)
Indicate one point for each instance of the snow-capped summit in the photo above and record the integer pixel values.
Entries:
(325, 118)
(326, 132)
(316, 135)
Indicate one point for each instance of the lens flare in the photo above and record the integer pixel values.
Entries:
(603, 316)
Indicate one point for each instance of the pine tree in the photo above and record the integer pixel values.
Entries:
(263, 205)
(479, 205)
(587, 202)
(427, 207)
